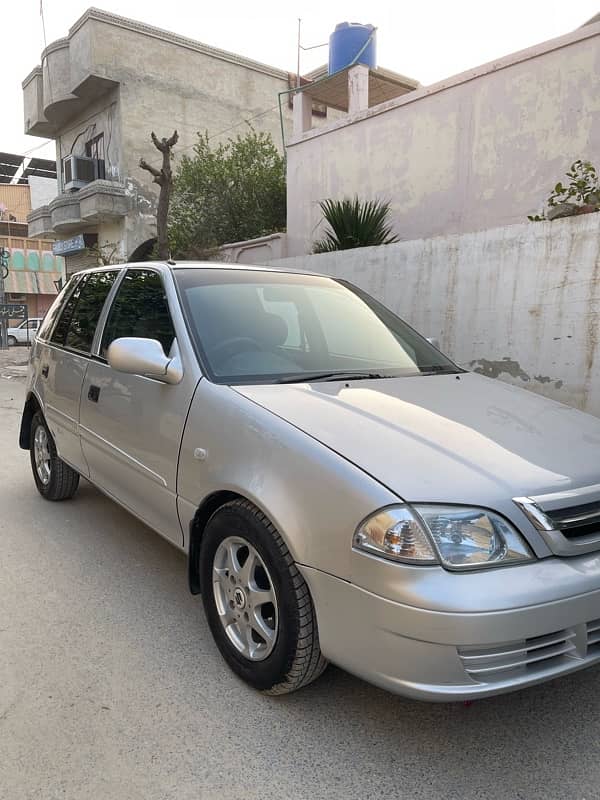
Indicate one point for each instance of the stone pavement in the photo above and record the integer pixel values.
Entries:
(13, 363)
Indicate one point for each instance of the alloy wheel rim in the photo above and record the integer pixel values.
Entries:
(41, 453)
(245, 598)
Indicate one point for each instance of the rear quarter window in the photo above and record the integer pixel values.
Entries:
(55, 309)
(79, 317)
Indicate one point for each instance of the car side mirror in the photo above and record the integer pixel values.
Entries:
(137, 356)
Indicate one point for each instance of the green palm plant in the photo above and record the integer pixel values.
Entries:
(354, 223)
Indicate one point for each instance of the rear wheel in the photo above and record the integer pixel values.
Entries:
(54, 479)
(257, 603)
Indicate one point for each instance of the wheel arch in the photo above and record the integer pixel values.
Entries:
(205, 510)
(32, 404)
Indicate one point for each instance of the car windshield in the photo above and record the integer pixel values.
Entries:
(254, 326)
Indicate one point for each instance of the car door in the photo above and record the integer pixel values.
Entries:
(131, 425)
(20, 332)
(29, 329)
(63, 359)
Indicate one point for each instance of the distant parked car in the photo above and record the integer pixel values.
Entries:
(343, 490)
(25, 332)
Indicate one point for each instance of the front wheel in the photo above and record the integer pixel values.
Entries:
(12, 342)
(257, 603)
(54, 479)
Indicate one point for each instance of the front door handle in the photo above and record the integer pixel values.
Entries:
(45, 371)
(94, 393)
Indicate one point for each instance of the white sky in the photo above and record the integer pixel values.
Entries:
(427, 40)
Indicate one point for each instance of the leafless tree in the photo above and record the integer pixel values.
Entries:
(164, 178)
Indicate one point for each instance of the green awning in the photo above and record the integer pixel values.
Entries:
(26, 282)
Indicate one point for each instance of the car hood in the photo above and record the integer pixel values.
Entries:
(445, 438)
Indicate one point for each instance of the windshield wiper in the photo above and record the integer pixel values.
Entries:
(312, 377)
(437, 369)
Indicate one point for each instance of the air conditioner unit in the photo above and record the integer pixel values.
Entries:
(78, 171)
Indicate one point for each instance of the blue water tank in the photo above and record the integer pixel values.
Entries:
(347, 41)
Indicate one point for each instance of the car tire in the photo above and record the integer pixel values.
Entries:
(239, 611)
(54, 479)
(12, 342)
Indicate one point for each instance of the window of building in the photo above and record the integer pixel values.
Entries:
(140, 309)
(95, 149)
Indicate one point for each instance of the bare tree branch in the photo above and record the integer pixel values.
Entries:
(164, 178)
(156, 172)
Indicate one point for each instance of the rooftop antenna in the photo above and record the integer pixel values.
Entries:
(300, 47)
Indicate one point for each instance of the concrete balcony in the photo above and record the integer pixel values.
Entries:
(73, 212)
(63, 87)
(40, 223)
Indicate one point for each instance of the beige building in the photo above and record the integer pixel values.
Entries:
(34, 271)
(99, 93)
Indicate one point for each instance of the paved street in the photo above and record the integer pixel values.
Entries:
(13, 362)
(111, 688)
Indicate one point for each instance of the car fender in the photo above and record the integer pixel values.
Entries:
(315, 498)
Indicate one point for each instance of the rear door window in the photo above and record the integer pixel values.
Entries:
(139, 309)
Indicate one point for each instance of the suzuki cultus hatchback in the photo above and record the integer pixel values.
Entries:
(344, 492)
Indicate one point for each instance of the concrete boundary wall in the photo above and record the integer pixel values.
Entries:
(477, 150)
(521, 303)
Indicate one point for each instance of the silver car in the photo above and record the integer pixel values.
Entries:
(344, 492)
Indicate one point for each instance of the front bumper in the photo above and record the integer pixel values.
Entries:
(445, 656)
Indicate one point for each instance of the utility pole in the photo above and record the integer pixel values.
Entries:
(3, 320)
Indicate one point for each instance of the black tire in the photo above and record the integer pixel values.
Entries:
(296, 658)
(12, 342)
(62, 481)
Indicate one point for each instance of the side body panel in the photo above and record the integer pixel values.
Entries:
(131, 436)
(314, 498)
(57, 383)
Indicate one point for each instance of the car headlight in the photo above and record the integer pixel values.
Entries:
(457, 537)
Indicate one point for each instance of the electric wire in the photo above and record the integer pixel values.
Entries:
(244, 121)
(45, 48)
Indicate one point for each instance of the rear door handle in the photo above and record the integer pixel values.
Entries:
(94, 393)
(45, 371)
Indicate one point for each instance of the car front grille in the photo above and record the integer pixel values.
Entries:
(539, 654)
(593, 637)
(501, 662)
(576, 522)
(568, 530)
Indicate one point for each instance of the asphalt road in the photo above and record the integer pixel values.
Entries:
(111, 687)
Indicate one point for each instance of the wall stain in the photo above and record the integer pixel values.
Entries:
(508, 366)
(493, 369)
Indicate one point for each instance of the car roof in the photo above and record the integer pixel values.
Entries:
(183, 265)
